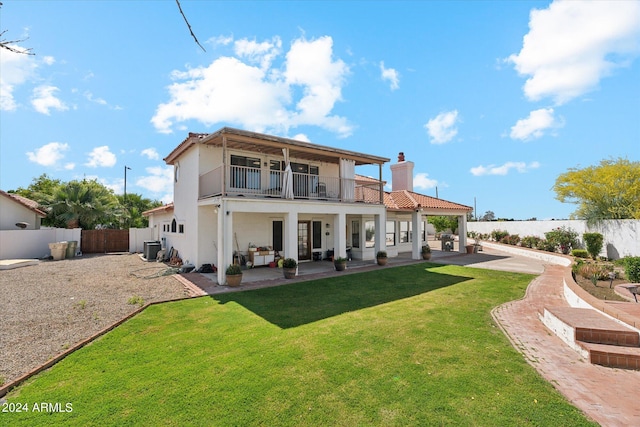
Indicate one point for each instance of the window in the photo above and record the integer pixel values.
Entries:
(355, 234)
(181, 228)
(245, 172)
(391, 233)
(173, 226)
(305, 179)
(275, 175)
(405, 231)
(370, 234)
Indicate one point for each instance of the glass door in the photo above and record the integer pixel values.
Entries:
(304, 240)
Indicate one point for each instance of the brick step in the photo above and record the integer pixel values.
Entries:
(593, 327)
(613, 356)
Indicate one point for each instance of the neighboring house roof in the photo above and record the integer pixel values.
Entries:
(27, 203)
(160, 209)
(269, 144)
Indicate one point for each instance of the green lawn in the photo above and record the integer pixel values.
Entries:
(411, 345)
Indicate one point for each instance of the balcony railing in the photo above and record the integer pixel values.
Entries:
(255, 182)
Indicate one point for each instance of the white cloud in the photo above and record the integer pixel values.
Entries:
(49, 154)
(261, 98)
(391, 75)
(90, 97)
(48, 60)
(261, 53)
(442, 128)
(221, 40)
(534, 125)
(159, 180)
(423, 182)
(16, 70)
(572, 45)
(43, 100)
(504, 169)
(301, 137)
(150, 153)
(101, 157)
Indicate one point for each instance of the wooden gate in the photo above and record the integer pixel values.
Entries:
(104, 241)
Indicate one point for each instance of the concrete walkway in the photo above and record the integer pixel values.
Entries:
(609, 396)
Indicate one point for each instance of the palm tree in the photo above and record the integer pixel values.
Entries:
(84, 204)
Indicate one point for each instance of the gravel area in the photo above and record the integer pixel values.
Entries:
(49, 307)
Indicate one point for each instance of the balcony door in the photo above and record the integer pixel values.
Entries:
(304, 240)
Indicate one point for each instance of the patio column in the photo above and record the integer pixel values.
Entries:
(462, 233)
(416, 235)
(381, 233)
(224, 241)
(340, 235)
(291, 235)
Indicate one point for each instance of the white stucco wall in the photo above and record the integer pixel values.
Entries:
(12, 212)
(18, 244)
(621, 237)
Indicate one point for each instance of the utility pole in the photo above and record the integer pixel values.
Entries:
(125, 182)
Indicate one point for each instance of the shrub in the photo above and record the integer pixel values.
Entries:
(545, 245)
(597, 271)
(512, 239)
(381, 254)
(632, 269)
(563, 237)
(289, 263)
(426, 249)
(233, 269)
(340, 260)
(580, 253)
(498, 235)
(594, 243)
(530, 241)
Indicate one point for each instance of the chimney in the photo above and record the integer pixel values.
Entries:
(402, 174)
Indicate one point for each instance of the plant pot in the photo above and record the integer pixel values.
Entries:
(469, 249)
(340, 266)
(289, 273)
(234, 279)
(58, 250)
(382, 261)
(426, 256)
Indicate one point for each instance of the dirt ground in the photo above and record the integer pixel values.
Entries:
(47, 308)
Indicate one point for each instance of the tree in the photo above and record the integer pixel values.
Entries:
(85, 204)
(10, 45)
(134, 205)
(488, 216)
(442, 223)
(610, 190)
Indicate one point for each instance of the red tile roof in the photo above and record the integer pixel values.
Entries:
(410, 200)
(160, 209)
(27, 203)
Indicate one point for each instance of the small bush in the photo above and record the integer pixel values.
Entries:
(381, 254)
(597, 271)
(134, 300)
(233, 269)
(289, 263)
(498, 235)
(564, 238)
(594, 243)
(425, 249)
(632, 269)
(580, 253)
(545, 245)
(530, 241)
(512, 239)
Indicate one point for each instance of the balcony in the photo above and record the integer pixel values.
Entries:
(261, 183)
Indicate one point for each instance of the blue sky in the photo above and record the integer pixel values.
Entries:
(490, 100)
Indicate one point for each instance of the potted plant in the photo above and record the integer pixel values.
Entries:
(290, 268)
(426, 252)
(340, 263)
(381, 258)
(234, 275)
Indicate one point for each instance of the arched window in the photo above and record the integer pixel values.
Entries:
(173, 225)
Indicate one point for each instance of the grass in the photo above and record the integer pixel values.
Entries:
(412, 345)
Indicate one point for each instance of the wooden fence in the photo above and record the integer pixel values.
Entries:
(104, 241)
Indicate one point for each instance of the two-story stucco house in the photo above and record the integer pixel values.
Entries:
(234, 189)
